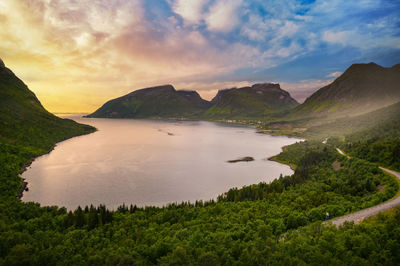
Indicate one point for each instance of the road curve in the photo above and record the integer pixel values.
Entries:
(357, 217)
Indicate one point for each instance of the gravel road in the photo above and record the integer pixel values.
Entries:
(357, 217)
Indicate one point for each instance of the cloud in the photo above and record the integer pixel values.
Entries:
(334, 74)
(342, 37)
(363, 41)
(223, 15)
(191, 11)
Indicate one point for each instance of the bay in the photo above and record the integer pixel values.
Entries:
(152, 162)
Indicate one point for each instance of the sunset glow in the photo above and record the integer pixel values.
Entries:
(75, 55)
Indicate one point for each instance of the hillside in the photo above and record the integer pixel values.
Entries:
(26, 129)
(22, 113)
(389, 115)
(373, 136)
(360, 89)
(257, 101)
(155, 102)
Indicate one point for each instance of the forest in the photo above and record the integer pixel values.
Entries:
(277, 223)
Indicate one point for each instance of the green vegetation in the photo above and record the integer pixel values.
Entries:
(379, 144)
(260, 101)
(373, 136)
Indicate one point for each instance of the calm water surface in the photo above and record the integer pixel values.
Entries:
(147, 162)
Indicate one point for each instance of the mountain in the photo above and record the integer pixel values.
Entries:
(166, 102)
(161, 101)
(360, 89)
(21, 113)
(257, 101)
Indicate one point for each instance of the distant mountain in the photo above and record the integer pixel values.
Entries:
(257, 101)
(21, 114)
(161, 101)
(360, 89)
(166, 102)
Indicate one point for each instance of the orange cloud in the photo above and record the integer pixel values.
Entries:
(77, 54)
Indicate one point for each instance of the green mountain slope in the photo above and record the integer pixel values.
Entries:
(257, 101)
(341, 127)
(360, 89)
(373, 136)
(161, 101)
(26, 129)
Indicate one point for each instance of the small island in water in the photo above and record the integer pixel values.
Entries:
(243, 159)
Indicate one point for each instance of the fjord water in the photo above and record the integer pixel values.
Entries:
(151, 162)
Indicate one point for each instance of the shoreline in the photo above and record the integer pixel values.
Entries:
(24, 186)
(273, 158)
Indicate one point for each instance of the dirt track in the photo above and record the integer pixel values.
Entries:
(357, 217)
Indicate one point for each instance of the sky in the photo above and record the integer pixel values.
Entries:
(77, 54)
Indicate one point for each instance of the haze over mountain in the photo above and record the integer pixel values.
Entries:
(360, 89)
(166, 102)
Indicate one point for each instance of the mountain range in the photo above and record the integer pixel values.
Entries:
(360, 89)
(164, 101)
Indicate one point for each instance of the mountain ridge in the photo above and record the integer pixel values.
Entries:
(153, 102)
